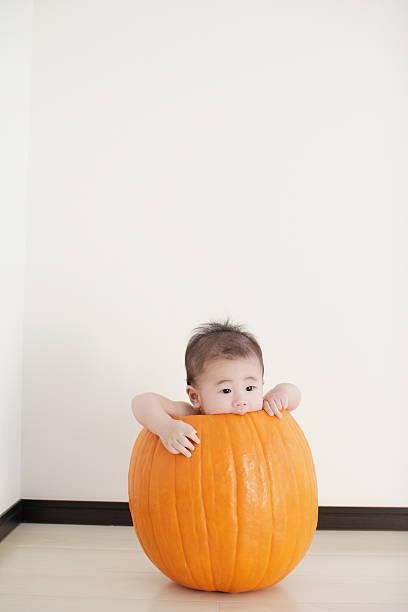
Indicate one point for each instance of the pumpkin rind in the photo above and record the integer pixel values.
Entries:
(239, 514)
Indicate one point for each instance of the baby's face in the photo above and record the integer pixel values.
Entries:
(229, 386)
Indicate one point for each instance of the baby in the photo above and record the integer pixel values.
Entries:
(225, 374)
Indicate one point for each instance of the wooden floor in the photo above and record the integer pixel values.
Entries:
(53, 568)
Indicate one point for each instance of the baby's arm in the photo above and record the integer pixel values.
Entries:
(154, 412)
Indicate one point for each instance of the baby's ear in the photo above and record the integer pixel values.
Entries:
(192, 395)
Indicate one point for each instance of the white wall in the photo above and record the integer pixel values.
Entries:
(190, 160)
(15, 50)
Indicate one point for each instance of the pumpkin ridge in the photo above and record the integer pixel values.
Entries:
(202, 504)
(311, 476)
(236, 506)
(138, 458)
(180, 533)
(142, 442)
(269, 479)
(306, 446)
(204, 509)
(275, 440)
(149, 480)
(300, 440)
(293, 473)
(131, 480)
(136, 463)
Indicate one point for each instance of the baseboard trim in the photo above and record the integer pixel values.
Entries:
(363, 518)
(118, 513)
(10, 519)
(76, 512)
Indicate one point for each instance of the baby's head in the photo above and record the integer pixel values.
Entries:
(225, 369)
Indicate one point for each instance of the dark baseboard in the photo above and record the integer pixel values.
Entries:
(10, 519)
(118, 513)
(76, 512)
(363, 518)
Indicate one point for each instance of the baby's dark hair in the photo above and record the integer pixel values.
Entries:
(216, 340)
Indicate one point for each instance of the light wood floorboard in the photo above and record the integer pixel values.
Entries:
(53, 568)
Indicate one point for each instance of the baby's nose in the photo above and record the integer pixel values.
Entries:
(239, 405)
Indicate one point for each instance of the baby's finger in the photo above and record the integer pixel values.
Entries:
(193, 436)
(186, 442)
(267, 408)
(275, 409)
(171, 449)
(180, 448)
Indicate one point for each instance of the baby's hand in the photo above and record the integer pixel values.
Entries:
(175, 437)
(275, 401)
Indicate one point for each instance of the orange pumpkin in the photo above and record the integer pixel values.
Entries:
(239, 514)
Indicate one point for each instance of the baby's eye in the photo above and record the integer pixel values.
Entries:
(229, 390)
